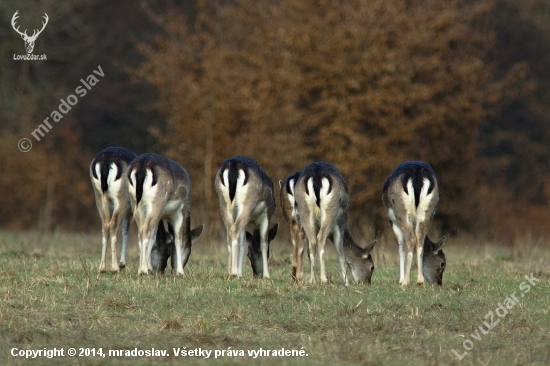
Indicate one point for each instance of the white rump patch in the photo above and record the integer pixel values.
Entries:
(291, 199)
(132, 187)
(241, 190)
(149, 191)
(97, 182)
(323, 192)
(408, 199)
(114, 185)
(325, 187)
(425, 200)
(291, 185)
(225, 177)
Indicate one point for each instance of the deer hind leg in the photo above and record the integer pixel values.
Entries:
(294, 232)
(147, 235)
(338, 238)
(125, 236)
(419, 255)
(237, 235)
(410, 243)
(321, 242)
(104, 213)
(241, 249)
(234, 254)
(298, 255)
(312, 248)
(230, 254)
(104, 239)
(402, 256)
(264, 244)
(421, 232)
(179, 225)
(114, 228)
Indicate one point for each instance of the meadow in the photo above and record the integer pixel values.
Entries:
(52, 297)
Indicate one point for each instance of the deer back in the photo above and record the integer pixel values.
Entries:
(108, 172)
(322, 187)
(160, 182)
(411, 193)
(246, 183)
(287, 196)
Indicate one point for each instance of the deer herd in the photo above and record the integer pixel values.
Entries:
(156, 192)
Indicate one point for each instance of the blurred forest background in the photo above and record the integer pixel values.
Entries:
(364, 84)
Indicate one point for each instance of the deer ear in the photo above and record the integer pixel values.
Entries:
(196, 232)
(439, 245)
(273, 232)
(369, 249)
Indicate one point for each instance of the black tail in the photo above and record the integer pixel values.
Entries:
(318, 183)
(104, 169)
(141, 173)
(140, 178)
(294, 178)
(233, 176)
(416, 171)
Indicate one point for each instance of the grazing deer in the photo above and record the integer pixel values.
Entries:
(108, 176)
(411, 194)
(433, 261)
(160, 189)
(29, 40)
(321, 202)
(165, 246)
(247, 201)
(287, 204)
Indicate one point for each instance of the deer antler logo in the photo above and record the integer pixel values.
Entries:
(29, 41)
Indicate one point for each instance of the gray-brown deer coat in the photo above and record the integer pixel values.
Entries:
(321, 204)
(108, 176)
(247, 201)
(411, 195)
(160, 189)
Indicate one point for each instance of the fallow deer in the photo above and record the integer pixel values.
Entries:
(287, 200)
(321, 203)
(108, 175)
(433, 261)
(247, 201)
(160, 189)
(411, 194)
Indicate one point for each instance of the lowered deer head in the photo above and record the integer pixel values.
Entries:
(160, 192)
(29, 40)
(165, 246)
(255, 249)
(433, 261)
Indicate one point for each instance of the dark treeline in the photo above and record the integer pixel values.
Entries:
(362, 84)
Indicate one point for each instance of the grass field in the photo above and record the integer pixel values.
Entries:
(51, 297)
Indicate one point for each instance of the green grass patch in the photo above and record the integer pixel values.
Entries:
(51, 297)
